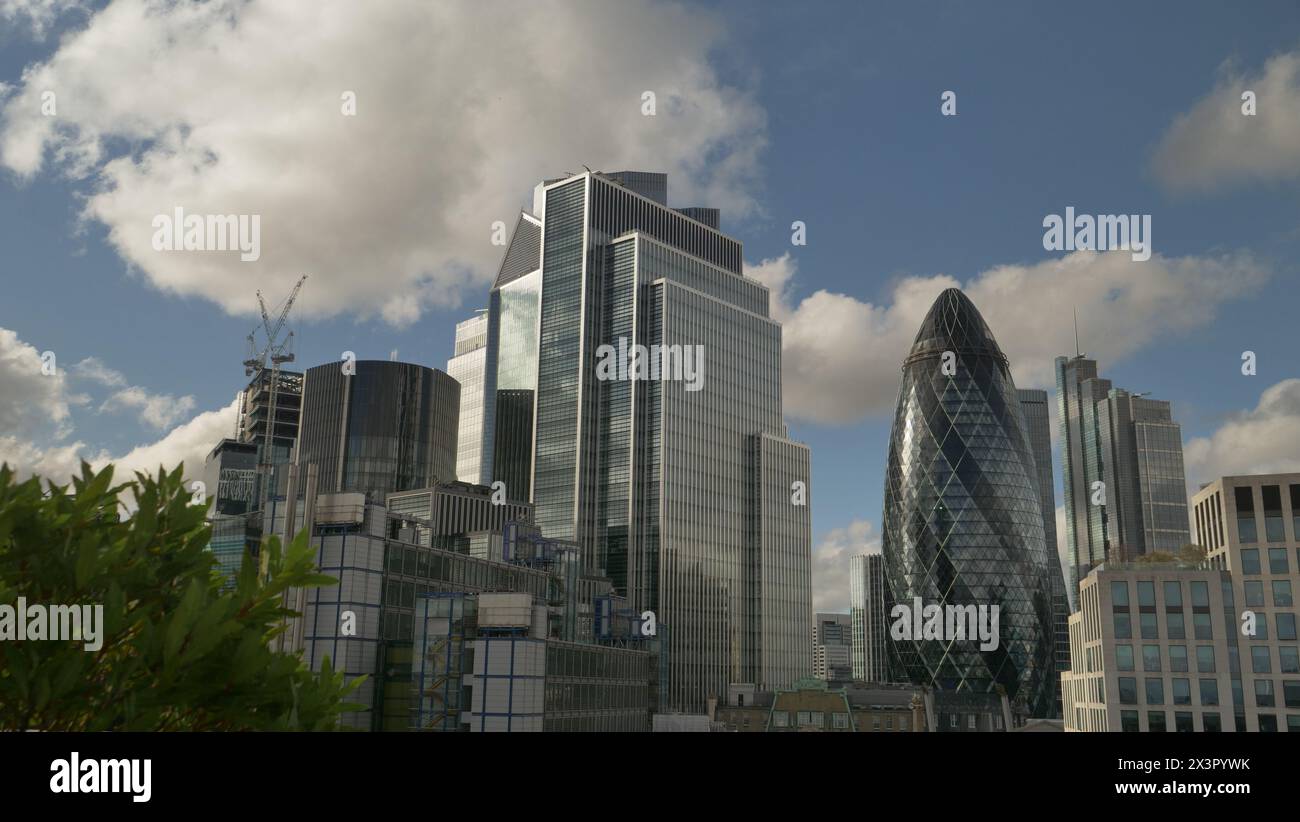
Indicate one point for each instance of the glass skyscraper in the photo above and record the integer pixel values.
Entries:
(1125, 451)
(389, 427)
(869, 614)
(686, 498)
(468, 366)
(963, 520)
(1033, 401)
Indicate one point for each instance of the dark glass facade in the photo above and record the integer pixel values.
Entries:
(962, 518)
(391, 426)
(512, 457)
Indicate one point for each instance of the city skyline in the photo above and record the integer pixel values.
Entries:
(150, 342)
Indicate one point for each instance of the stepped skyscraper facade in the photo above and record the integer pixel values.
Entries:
(1125, 490)
(963, 522)
(687, 493)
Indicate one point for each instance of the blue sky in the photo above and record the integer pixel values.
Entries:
(831, 116)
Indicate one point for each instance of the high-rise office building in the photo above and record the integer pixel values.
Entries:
(230, 479)
(1033, 402)
(468, 366)
(680, 485)
(869, 614)
(1122, 464)
(963, 520)
(1250, 527)
(390, 426)
(255, 409)
(832, 647)
(514, 308)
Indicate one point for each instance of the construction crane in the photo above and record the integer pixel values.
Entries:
(276, 352)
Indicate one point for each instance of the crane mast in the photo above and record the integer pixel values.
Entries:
(276, 352)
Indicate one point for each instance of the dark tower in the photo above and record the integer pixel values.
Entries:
(962, 519)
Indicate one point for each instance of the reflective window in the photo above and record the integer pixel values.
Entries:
(1155, 687)
(1128, 690)
(1123, 626)
(1274, 531)
(1128, 722)
(1254, 593)
(1288, 659)
(1178, 658)
(1250, 560)
(1150, 628)
(1291, 692)
(1124, 657)
(1209, 691)
(1151, 657)
(1277, 563)
(1264, 694)
(1282, 593)
(1246, 516)
(1205, 659)
(1286, 627)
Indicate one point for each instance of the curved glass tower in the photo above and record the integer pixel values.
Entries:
(390, 426)
(962, 520)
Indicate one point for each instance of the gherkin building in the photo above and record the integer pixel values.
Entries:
(962, 521)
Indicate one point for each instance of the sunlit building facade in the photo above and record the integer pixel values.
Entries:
(687, 493)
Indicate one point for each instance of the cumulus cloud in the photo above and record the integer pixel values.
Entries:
(158, 411)
(31, 402)
(391, 210)
(830, 570)
(841, 356)
(93, 369)
(1262, 440)
(189, 442)
(36, 419)
(1214, 144)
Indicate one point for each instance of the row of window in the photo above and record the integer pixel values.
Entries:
(1277, 560)
(1265, 693)
(1184, 721)
(1274, 527)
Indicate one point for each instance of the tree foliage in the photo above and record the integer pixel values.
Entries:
(179, 652)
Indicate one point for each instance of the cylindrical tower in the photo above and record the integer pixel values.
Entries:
(390, 426)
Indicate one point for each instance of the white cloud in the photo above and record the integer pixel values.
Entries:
(158, 411)
(1214, 144)
(31, 403)
(841, 356)
(92, 368)
(35, 419)
(1262, 440)
(830, 570)
(233, 108)
(189, 442)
